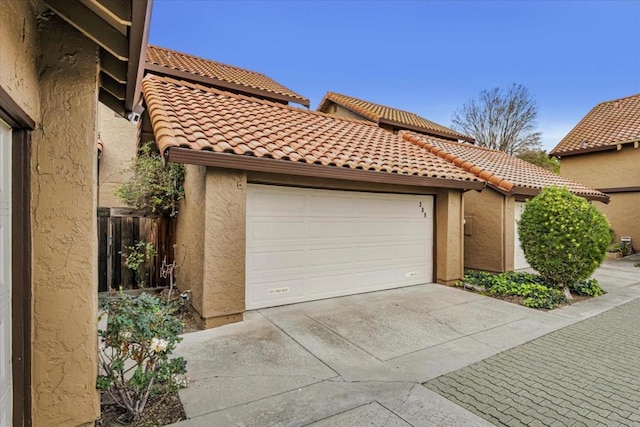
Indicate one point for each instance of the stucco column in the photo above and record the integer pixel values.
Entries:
(63, 202)
(190, 234)
(449, 236)
(223, 291)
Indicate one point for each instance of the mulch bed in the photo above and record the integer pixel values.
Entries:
(160, 411)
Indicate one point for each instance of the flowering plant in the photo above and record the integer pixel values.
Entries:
(140, 335)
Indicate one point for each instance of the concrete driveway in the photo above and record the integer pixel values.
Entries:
(362, 359)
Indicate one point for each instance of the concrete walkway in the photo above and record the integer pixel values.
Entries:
(362, 359)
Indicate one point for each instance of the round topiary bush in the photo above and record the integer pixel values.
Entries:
(563, 237)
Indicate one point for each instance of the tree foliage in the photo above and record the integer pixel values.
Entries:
(540, 158)
(503, 119)
(563, 236)
(153, 186)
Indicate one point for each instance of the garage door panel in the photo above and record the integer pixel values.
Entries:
(373, 253)
(324, 229)
(277, 230)
(266, 261)
(330, 206)
(276, 203)
(343, 243)
(283, 292)
(330, 257)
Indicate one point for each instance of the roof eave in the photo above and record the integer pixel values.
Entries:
(210, 81)
(121, 56)
(612, 146)
(285, 167)
(531, 191)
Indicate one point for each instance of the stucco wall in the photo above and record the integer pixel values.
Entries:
(224, 247)
(605, 169)
(449, 236)
(484, 241)
(623, 213)
(63, 203)
(18, 48)
(343, 112)
(611, 169)
(190, 234)
(118, 136)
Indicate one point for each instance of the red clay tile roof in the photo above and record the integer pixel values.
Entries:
(380, 113)
(205, 119)
(220, 75)
(605, 126)
(501, 171)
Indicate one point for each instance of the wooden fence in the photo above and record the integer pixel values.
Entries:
(119, 228)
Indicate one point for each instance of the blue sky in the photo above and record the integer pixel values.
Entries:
(424, 57)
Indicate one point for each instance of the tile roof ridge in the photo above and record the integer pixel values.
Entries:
(618, 99)
(177, 52)
(210, 89)
(374, 103)
(356, 108)
(466, 165)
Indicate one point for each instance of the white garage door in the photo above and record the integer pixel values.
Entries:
(308, 244)
(5, 276)
(519, 261)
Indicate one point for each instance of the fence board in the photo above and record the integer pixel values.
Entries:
(120, 228)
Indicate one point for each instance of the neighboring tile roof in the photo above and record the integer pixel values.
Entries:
(605, 126)
(501, 171)
(206, 119)
(380, 113)
(220, 73)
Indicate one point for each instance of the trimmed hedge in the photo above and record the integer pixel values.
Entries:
(563, 236)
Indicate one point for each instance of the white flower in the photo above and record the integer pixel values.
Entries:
(125, 335)
(158, 345)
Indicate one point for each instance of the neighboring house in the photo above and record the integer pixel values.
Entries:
(119, 137)
(57, 58)
(286, 205)
(603, 152)
(117, 146)
(388, 118)
(491, 240)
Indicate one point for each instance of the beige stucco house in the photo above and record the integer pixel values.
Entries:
(286, 205)
(491, 217)
(57, 58)
(603, 151)
(387, 118)
(118, 137)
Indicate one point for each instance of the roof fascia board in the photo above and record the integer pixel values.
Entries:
(138, 40)
(210, 81)
(613, 146)
(614, 190)
(528, 191)
(234, 161)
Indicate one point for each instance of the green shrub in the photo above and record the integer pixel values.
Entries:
(153, 186)
(530, 287)
(563, 236)
(589, 287)
(140, 336)
(136, 258)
